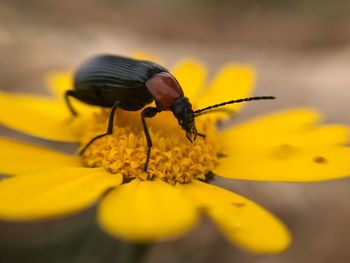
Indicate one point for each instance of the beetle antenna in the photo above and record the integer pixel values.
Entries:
(198, 112)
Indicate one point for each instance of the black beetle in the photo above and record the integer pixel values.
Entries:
(120, 82)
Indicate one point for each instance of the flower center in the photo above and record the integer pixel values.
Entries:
(173, 158)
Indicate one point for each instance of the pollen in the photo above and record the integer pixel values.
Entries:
(173, 158)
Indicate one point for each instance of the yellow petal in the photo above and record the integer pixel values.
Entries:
(327, 135)
(242, 221)
(59, 83)
(37, 102)
(54, 193)
(20, 158)
(287, 164)
(143, 211)
(288, 120)
(40, 117)
(191, 75)
(232, 82)
(285, 147)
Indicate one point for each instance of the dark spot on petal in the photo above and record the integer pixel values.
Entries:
(221, 155)
(320, 159)
(285, 151)
(238, 204)
(286, 146)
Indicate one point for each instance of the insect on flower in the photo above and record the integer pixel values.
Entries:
(120, 82)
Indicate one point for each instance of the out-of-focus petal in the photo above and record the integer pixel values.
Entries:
(21, 158)
(232, 82)
(285, 147)
(242, 221)
(58, 83)
(288, 165)
(143, 211)
(53, 193)
(191, 75)
(40, 117)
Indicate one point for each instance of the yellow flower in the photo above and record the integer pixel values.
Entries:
(166, 202)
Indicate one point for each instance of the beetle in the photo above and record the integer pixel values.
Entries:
(119, 82)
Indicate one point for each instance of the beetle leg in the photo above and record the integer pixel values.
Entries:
(148, 112)
(201, 135)
(70, 93)
(109, 128)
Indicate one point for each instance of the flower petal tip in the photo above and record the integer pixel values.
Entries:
(146, 211)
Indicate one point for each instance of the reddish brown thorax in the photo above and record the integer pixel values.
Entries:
(165, 90)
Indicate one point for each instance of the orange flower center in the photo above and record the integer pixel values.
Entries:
(173, 158)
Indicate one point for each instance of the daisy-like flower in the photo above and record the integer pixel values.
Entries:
(167, 201)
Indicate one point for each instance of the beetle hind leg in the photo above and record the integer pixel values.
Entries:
(67, 95)
(109, 128)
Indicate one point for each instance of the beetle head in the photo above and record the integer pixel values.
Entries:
(182, 110)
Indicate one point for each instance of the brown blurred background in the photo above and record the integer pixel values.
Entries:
(301, 50)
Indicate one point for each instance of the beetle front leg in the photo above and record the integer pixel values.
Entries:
(148, 112)
(109, 128)
(201, 135)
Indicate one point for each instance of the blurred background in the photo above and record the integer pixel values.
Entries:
(301, 51)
